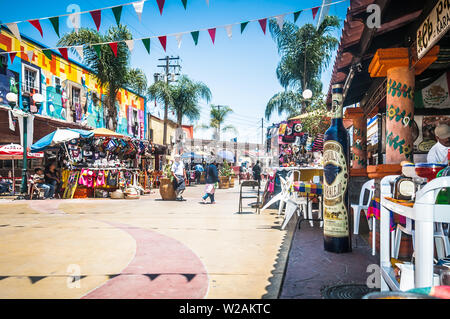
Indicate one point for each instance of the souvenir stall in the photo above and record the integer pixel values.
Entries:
(96, 163)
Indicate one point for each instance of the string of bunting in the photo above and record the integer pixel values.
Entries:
(96, 15)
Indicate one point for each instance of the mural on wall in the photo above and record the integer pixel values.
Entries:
(71, 92)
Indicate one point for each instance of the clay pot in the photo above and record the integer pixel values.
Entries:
(224, 182)
(166, 189)
(232, 178)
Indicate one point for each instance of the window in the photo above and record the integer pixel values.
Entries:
(57, 85)
(30, 79)
(135, 123)
(76, 105)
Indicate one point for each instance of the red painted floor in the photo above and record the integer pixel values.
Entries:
(162, 268)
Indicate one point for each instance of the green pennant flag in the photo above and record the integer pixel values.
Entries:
(184, 3)
(195, 36)
(55, 24)
(296, 15)
(47, 53)
(98, 49)
(147, 44)
(1, 63)
(117, 13)
(243, 25)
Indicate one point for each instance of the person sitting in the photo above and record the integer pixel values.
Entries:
(39, 182)
(52, 179)
(439, 152)
(179, 175)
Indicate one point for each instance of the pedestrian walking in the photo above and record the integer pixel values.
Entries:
(198, 172)
(179, 174)
(257, 172)
(212, 178)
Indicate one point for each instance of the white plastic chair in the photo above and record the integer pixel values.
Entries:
(369, 187)
(385, 191)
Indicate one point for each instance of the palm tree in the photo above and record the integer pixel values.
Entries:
(218, 115)
(183, 97)
(305, 52)
(137, 81)
(111, 71)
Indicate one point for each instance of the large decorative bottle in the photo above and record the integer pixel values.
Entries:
(336, 155)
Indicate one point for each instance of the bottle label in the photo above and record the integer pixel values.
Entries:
(335, 187)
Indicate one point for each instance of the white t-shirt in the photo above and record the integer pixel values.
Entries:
(178, 168)
(438, 154)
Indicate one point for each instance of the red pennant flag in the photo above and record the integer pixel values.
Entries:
(64, 53)
(163, 41)
(37, 25)
(212, 34)
(263, 24)
(161, 5)
(113, 47)
(12, 55)
(314, 11)
(97, 17)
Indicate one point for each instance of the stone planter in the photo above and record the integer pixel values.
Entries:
(166, 189)
(224, 182)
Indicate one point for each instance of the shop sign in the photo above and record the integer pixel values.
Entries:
(433, 28)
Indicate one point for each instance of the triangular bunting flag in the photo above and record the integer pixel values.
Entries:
(98, 49)
(263, 24)
(184, 4)
(296, 15)
(117, 11)
(139, 8)
(147, 44)
(243, 25)
(15, 30)
(152, 276)
(30, 55)
(37, 25)
(113, 276)
(163, 41)
(130, 44)
(314, 11)
(229, 29)
(212, 34)
(64, 53)
(195, 35)
(97, 17)
(207, 3)
(35, 279)
(1, 67)
(55, 24)
(179, 38)
(189, 277)
(280, 21)
(160, 5)
(113, 46)
(80, 51)
(47, 53)
(12, 55)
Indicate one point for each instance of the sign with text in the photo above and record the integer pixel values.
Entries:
(433, 28)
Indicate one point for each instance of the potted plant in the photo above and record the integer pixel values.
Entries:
(166, 189)
(224, 176)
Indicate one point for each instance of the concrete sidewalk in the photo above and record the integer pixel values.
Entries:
(145, 248)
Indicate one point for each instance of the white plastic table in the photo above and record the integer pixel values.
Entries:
(425, 213)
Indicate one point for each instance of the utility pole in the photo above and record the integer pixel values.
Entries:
(262, 132)
(167, 66)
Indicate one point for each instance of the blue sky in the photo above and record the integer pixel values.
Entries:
(239, 71)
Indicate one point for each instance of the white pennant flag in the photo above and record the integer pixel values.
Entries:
(15, 30)
(30, 55)
(179, 37)
(139, 8)
(130, 44)
(229, 29)
(80, 51)
(280, 21)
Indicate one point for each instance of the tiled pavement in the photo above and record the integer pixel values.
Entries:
(310, 268)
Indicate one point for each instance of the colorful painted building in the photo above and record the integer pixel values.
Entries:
(72, 95)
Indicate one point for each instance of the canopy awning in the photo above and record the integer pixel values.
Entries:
(104, 132)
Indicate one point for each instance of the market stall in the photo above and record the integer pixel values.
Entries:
(97, 163)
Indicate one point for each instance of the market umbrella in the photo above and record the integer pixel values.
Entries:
(226, 155)
(15, 152)
(59, 136)
(104, 132)
(190, 155)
